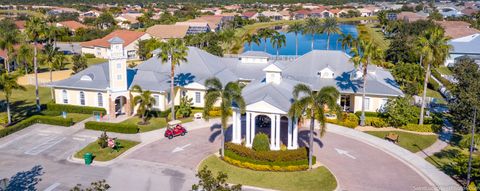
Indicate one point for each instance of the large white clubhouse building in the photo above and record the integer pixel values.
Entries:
(268, 90)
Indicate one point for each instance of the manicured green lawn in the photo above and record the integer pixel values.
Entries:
(154, 123)
(370, 31)
(22, 103)
(317, 179)
(437, 95)
(93, 61)
(410, 141)
(444, 70)
(105, 154)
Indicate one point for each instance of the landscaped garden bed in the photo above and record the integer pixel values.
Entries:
(107, 153)
(283, 160)
(316, 179)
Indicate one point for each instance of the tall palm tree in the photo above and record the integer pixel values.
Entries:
(295, 28)
(53, 33)
(8, 83)
(7, 42)
(49, 58)
(329, 27)
(278, 41)
(227, 38)
(265, 33)
(312, 26)
(24, 56)
(433, 49)
(347, 41)
(371, 53)
(173, 52)
(251, 38)
(228, 95)
(145, 102)
(314, 101)
(36, 31)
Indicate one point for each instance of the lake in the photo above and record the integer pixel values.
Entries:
(304, 42)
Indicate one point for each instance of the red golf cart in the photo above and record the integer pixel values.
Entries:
(174, 129)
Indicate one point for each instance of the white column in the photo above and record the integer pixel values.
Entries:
(295, 133)
(290, 129)
(247, 128)
(252, 127)
(277, 131)
(272, 132)
(239, 127)
(234, 126)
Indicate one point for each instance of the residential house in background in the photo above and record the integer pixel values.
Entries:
(410, 16)
(215, 22)
(100, 47)
(195, 27)
(128, 20)
(72, 26)
(165, 32)
(20, 25)
(465, 40)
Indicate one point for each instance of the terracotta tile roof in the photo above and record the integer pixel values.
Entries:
(248, 14)
(72, 25)
(335, 11)
(126, 35)
(469, 11)
(303, 12)
(318, 10)
(457, 29)
(20, 24)
(167, 31)
(410, 16)
(212, 20)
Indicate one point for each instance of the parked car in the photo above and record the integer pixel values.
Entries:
(174, 129)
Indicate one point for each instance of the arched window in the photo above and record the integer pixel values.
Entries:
(65, 96)
(100, 99)
(82, 98)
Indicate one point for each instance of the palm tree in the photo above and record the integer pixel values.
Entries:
(251, 38)
(145, 102)
(25, 56)
(48, 58)
(296, 28)
(227, 38)
(175, 52)
(53, 33)
(347, 41)
(371, 53)
(265, 33)
(8, 83)
(312, 26)
(228, 95)
(7, 42)
(433, 49)
(315, 102)
(330, 26)
(278, 41)
(35, 30)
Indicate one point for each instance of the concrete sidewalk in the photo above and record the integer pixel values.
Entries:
(436, 177)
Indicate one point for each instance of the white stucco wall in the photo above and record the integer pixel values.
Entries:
(376, 102)
(91, 97)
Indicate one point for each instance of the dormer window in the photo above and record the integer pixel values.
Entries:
(326, 73)
(86, 78)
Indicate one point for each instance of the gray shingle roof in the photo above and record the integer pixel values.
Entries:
(98, 73)
(278, 95)
(255, 54)
(466, 47)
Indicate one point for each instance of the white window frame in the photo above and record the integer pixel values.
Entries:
(157, 101)
(198, 97)
(64, 97)
(367, 103)
(119, 76)
(84, 99)
(99, 99)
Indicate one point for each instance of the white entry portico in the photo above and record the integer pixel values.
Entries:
(270, 101)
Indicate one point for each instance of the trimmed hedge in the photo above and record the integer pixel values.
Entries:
(349, 120)
(262, 167)
(112, 127)
(268, 156)
(36, 119)
(421, 128)
(444, 81)
(367, 114)
(376, 122)
(74, 108)
(235, 156)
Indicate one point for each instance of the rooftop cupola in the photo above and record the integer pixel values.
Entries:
(116, 48)
(273, 74)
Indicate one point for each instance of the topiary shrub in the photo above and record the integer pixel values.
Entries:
(261, 142)
(375, 122)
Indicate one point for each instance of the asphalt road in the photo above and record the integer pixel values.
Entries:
(170, 164)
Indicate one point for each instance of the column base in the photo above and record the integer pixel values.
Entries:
(238, 142)
(292, 147)
(248, 145)
(274, 148)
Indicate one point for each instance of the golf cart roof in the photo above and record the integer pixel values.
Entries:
(174, 122)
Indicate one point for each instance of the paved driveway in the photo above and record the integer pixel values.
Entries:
(363, 167)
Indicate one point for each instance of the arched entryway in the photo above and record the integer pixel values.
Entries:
(263, 125)
(120, 105)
